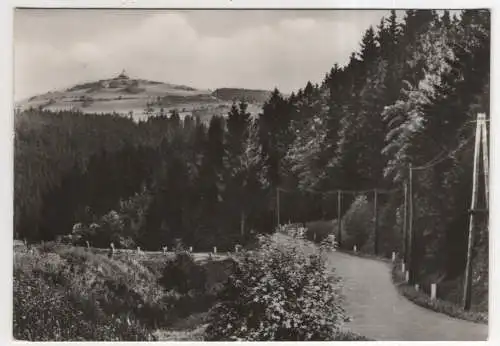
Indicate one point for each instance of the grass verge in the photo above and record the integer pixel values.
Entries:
(442, 306)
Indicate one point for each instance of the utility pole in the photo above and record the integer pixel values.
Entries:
(484, 138)
(375, 222)
(242, 223)
(339, 217)
(472, 222)
(278, 205)
(405, 206)
(411, 232)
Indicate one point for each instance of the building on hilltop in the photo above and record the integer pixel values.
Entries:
(123, 75)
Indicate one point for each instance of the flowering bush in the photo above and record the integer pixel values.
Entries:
(281, 291)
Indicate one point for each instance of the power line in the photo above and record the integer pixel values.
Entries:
(431, 163)
(436, 161)
(331, 192)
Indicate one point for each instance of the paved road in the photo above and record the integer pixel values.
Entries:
(381, 313)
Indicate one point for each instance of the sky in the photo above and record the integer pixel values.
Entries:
(260, 49)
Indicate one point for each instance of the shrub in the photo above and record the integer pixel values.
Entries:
(197, 285)
(357, 225)
(281, 291)
(183, 274)
(64, 293)
(43, 313)
(319, 230)
(113, 228)
(72, 294)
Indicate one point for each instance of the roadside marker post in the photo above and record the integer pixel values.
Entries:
(111, 250)
(417, 287)
(433, 291)
(407, 276)
(393, 256)
(403, 267)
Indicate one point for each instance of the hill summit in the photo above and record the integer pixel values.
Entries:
(141, 98)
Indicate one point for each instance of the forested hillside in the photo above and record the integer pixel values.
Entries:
(409, 95)
(249, 95)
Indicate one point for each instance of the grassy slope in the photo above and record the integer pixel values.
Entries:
(67, 293)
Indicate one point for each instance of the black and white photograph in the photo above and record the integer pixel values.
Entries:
(251, 174)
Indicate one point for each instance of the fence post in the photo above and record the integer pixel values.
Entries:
(433, 291)
(215, 250)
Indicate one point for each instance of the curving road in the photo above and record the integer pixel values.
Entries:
(379, 312)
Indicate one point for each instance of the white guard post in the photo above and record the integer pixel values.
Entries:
(433, 291)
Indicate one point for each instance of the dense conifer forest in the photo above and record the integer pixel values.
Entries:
(410, 94)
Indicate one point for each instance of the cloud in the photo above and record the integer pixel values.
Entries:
(284, 51)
